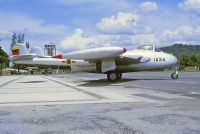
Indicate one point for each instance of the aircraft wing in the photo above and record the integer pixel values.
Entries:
(96, 53)
(104, 55)
(106, 58)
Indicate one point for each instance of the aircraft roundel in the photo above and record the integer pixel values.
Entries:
(68, 61)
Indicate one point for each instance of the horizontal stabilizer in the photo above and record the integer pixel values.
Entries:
(24, 57)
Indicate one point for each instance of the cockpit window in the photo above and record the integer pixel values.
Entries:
(157, 50)
(146, 47)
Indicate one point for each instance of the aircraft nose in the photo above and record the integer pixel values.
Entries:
(173, 60)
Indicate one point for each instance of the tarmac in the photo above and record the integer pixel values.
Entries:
(140, 103)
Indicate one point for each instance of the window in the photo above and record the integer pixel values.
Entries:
(146, 47)
(157, 50)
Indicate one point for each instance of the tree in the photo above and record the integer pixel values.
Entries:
(27, 45)
(198, 61)
(19, 40)
(22, 38)
(14, 37)
(184, 59)
(190, 60)
(193, 60)
(3, 60)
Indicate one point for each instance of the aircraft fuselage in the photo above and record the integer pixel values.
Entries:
(155, 60)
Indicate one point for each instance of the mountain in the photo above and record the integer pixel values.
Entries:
(178, 49)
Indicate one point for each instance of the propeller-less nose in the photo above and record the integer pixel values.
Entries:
(173, 60)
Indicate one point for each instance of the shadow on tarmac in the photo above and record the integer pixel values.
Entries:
(32, 82)
(105, 82)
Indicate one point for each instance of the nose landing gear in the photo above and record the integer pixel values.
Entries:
(174, 75)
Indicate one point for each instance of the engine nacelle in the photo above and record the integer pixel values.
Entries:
(83, 66)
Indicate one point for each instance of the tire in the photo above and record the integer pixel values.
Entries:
(174, 76)
(112, 76)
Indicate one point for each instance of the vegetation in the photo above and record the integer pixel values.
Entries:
(20, 38)
(188, 55)
(27, 45)
(179, 49)
(3, 60)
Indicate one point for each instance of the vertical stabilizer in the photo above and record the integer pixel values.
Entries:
(36, 50)
(19, 49)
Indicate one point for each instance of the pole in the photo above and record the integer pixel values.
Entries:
(58, 69)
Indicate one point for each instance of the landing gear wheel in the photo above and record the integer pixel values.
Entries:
(174, 76)
(112, 76)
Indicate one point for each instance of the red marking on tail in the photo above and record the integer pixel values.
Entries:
(59, 56)
(15, 52)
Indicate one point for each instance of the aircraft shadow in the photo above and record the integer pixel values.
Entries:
(32, 82)
(105, 82)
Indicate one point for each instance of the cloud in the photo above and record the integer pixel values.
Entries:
(37, 31)
(96, 8)
(79, 40)
(144, 39)
(122, 23)
(20, 23)
(5, 35)
(148, 6)
(185, 34)
(190, 5)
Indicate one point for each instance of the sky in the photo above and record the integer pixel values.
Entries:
(82, 24)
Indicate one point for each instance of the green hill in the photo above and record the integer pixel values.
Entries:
(188, 55)
(178, 49)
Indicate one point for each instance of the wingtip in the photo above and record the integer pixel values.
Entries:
(124, 50)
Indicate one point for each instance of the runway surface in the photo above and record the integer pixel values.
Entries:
(141, 103)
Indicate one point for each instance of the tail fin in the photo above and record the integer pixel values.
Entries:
(19, 49)
(36, 50)
(18, 52)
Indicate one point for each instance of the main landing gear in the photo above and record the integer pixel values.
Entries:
(114, 76)
(174, 75)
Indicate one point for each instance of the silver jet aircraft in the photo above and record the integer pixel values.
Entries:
(114, 61)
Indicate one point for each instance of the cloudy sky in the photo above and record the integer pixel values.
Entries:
(80, 24)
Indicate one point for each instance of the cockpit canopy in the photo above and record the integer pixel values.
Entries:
(148, 48)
